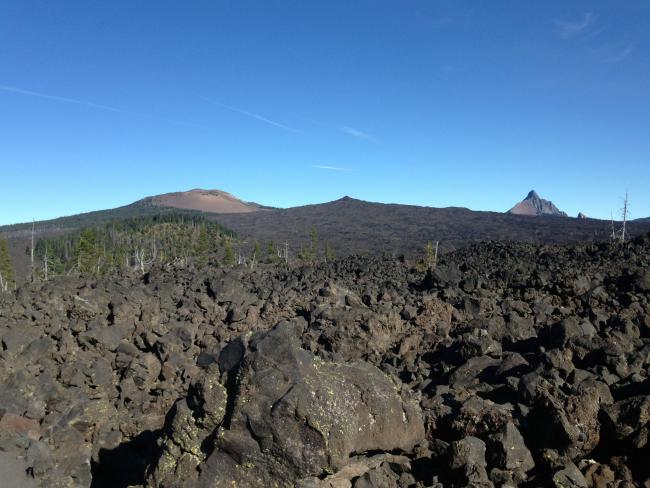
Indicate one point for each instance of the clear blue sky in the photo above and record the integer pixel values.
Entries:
(440, 103)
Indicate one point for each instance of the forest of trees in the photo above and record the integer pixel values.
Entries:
(138, 243)
(135, 244)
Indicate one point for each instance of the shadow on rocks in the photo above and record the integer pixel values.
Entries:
(126, 464)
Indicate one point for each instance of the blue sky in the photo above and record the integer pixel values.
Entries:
(439, 103)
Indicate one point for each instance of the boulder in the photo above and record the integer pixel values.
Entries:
(288, 415)
(569, 477)
(508, 450)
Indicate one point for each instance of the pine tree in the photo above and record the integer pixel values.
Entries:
(313, 245)
(271, 252)
(86, 255)
(229, 257)
(6, 268)
(202, 247)
(330, 255)
(430, 258)
(257, 252)
(303, 254)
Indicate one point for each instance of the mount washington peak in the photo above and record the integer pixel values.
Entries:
(534, 205)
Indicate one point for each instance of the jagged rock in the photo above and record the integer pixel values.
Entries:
(11, 424)
(380, 477)
(599, 475)
(468, 459)
(478, 417)
(468, 451)
(568, 328)
(508, 450)
(628, 416)
(569, 477)
(358, 469)
(293, 416)
(143, 370)
(472, 371)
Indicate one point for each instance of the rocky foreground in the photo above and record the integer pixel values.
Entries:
(509, 365)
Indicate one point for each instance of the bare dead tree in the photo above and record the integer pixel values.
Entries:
(140, 261)
(45, 267)
(4, 285)
(624, 213)
(286, 252)
(31, 251)
(613, 236)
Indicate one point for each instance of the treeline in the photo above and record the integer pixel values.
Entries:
(168, 239)
(139, 243)
(6, 268)
(135, 244)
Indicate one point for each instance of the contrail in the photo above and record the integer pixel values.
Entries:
(64, 99)
(355, 132)
(253, 115)
(346, 129)
(332, 168)
(83, 103)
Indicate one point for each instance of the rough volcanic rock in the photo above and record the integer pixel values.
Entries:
(508, 450)
(288, 415)
(529, 366)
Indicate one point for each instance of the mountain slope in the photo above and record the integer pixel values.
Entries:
(353, 226)
(349, 226)
(534, 205)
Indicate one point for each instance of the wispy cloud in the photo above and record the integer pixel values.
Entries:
(108, 108)
(355, 132)
(346, 129)
(331, 168)
(622, 53)
(253, 115)
(572, 28)
(20, 91)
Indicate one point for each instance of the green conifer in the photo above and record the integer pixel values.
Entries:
(6, 268)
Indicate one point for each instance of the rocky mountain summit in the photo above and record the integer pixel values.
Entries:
(533, 204)
(509, 364)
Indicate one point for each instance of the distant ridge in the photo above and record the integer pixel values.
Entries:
(534, 205)
(347, 225)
